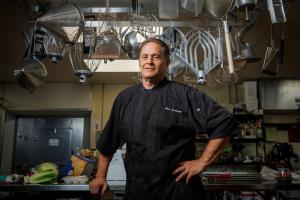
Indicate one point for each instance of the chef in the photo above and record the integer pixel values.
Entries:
(159, 120)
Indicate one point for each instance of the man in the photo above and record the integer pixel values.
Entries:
(159, 120)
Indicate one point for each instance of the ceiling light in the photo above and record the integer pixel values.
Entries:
(119, 66)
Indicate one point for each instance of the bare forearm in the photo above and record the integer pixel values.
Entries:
(103, 163)
(191, 168)
(212, 151)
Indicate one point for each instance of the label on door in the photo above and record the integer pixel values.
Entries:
(53, 142)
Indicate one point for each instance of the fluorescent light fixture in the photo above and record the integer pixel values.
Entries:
(119, 66)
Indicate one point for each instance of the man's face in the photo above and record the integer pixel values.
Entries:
(153, 62)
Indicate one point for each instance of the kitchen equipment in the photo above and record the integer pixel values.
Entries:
(281, 46)
(219, 9)
(195, 51)
(282, 152)
(276, 11)
(212, 80)
(89, 39)
(107, 46)
(140, 29)
(65, 21)
(168, 9)
(193, 6)
(177, 66)
(176, 40)
(31, 73)
(132, 41)
(247, 5)
(38, 34)
(270, 64)
(131, 45)
(202, 53)
(108, 36)
(84, 65)
(54, 48)
(244, 50)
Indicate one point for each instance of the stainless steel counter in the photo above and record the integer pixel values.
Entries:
(120, 185)
(270, 188)
(253, 185)
(113, 186)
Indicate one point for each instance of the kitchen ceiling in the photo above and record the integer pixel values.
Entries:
(13, 15)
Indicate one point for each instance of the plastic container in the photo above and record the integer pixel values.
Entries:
(75, 179)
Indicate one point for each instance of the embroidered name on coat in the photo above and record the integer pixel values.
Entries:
(173, 110)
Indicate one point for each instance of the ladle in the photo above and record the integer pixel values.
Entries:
(219, 9)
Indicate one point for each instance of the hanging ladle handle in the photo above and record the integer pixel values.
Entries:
(228, 47)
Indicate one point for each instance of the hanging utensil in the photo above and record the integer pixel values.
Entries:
(84, 65)
(219, 9)
(281, 47)
(108, 45)
(276, 11)
(168, 9)
(176, 67)
(132, 45)
(174, 38)
(187, 54)
(195, 6)
(31, 73)
(270, 64)
(244, 50)
(212, 79)
(65, 21)
(54, 48)
(247, 6)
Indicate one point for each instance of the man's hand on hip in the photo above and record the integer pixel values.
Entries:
(188, 169)
(98, 186)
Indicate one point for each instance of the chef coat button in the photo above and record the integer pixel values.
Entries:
(133, 178)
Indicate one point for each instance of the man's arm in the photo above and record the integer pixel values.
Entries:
(194, 167)
(212, 151)
(99, 183)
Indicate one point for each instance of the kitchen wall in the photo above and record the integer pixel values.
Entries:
(52, 96)
(102, 100)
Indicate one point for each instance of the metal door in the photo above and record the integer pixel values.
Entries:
(47, 139)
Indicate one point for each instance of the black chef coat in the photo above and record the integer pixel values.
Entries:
(159, 127)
